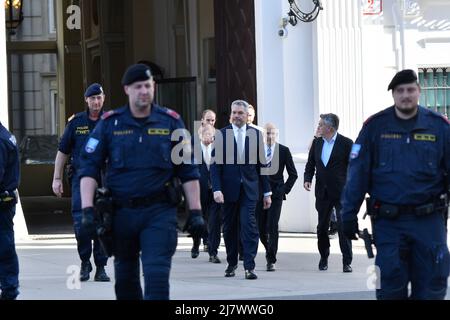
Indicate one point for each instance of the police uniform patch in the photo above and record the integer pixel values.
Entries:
(162, 132)
(91, 145)
(425, 137)
(123, 132)
(355, 151)
(84, 130)
(391, 136)
(13, 140)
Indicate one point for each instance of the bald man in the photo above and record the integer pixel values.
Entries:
(279, 158)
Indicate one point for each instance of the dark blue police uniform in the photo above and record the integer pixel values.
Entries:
(9, 182)
(138, 169)
(72, 142)
(403, 168)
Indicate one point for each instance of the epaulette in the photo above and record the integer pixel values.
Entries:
(378, 114)
(368, 119)
(436, 114)
(71, 118)
(172, 113)
(107, 114)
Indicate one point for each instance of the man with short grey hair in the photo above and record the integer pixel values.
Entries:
(235, 178)
(328, 160)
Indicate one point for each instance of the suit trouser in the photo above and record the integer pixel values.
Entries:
(215, 212)
(241, 214)
(324, 207)
(206, 204)
(9, 263)
(84, 240)
(268, 227)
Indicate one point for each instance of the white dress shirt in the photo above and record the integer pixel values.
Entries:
(206, 151)
(327, 149)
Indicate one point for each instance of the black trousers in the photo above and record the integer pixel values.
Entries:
(324, 207)
(268, 227)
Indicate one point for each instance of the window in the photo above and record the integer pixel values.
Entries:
(435, 84)
(51, 17)
(54, 111)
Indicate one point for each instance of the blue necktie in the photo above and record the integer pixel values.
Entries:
(269, 156)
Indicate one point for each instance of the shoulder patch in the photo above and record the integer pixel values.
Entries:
(71, 118)
(172, 113)
(107, 114)
(13, 140)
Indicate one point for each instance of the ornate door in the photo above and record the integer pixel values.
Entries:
(235, 54)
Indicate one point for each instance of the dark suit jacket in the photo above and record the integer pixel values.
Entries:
(282, 158)
(226, 176)
(330, 180)
(205, 182)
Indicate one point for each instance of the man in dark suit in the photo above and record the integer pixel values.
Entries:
(235, 176)
(328, 159)
(278, 158)
(210, 209)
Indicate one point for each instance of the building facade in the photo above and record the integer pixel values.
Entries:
(209, 53)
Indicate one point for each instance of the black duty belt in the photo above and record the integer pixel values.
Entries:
(141, 202)
(389, 211)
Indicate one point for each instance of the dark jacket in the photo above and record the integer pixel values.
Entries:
(280, 188)
(330, 180)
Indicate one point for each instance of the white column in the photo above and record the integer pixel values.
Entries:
(285, 93)
(20, 227)
(338, 64)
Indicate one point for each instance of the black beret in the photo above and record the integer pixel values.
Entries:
(402, 77)
(93, 90)
(136, 72)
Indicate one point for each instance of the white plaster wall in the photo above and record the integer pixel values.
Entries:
(285, 91)
(340, 63)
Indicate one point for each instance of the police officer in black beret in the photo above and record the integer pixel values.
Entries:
(9, 182)
(136, 140)
(402, 159)
(72, 141)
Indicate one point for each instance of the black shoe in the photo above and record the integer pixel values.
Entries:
(323, 264)
(214, 259)
(194, 252)
(86, 268)
(229, 271)
(250, 275)
(347, 268)
(8, 296)
(205, 248)
(100, 275)
(270, 267)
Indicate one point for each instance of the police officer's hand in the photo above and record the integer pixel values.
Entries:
(57, 187)
(195, 224)
(89, 221)
(350, 229)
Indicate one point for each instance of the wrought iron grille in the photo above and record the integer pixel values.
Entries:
(435, 85)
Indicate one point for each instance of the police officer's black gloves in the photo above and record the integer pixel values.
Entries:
(195, 224)
(351, 229)
(89, 220)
